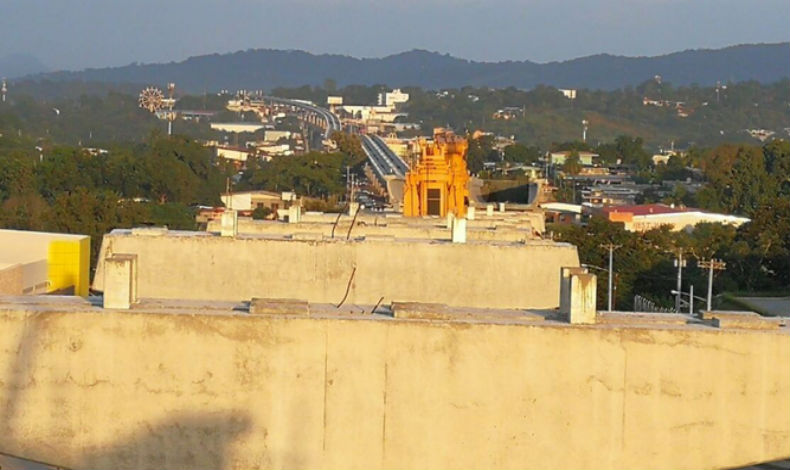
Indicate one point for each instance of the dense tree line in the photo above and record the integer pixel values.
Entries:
(68, 189)
(747, 180)
(313, 174)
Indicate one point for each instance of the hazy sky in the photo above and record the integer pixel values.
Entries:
(73, 34)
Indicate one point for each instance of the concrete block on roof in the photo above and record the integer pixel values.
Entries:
(489, 210)
(583, 296)
(229, 223)
(150, 231)
(259, 306)
(307, 236)
(470, 212)
(565, 287)
(120, 281)
(420, 310)
(743, 320)
(459, 231)
(294, 214)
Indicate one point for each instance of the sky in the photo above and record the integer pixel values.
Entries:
(75, 34)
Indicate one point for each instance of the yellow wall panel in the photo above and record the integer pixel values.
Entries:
(69, 264)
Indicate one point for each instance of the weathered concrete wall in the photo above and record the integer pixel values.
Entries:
(92, 389)
(11, 279)
(434, 231)
(204, 266)
(533, 219)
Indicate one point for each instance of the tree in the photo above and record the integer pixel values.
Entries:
(480, 150)
(631, 151)
(519, 153)
(261, 213)
(93, 213)
(777, 156)
(16, 174)
(351, 146)
(311, 174)
(737, 179)
(573, 164)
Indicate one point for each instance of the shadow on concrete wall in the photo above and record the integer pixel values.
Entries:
(199, 441)
(19, 373)
(183, 440)
(522, 194)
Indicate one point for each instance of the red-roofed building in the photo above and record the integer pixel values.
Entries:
(644, 217)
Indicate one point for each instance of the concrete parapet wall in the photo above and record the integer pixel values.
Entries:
(11, 279)
(400, 229)
(197, 265)
(86, 388)
(532, 220)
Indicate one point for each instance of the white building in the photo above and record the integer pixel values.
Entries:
(236, 126)
(233, 153)
(273, 135)
(569, 93)
(393, 98)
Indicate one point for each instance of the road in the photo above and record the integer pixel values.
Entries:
(384, 161)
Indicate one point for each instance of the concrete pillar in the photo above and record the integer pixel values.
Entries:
(120, 281)
(353, 207)
(229, 223)
(294, 214)
(501, 207)
(490, 210)
(565, 287)
(459, 230)
(470, 213)
(583, 293)
(449, 220)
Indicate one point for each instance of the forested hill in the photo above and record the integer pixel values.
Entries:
(267, 68)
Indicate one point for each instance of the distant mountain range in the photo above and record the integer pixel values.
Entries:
(19, 65)
(267, 69)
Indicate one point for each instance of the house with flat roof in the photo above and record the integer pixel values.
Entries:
(644, 217)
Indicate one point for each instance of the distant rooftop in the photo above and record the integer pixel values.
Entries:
(646, 209)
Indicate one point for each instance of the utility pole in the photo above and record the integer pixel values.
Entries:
(348, 183)
(585, 123)
(611, 247)
(227, 192)
(680, 263)
(712, 265)
(691, 300)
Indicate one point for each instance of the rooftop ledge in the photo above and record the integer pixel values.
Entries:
(268, 309)
(318, 237)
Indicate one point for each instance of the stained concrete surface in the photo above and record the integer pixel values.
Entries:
(190, 385)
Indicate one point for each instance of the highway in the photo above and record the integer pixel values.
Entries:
(384, 160)
(332, 121)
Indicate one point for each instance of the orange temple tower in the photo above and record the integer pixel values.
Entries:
(437, 184)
